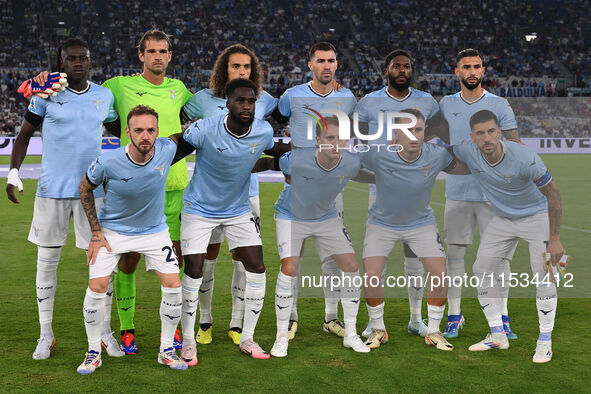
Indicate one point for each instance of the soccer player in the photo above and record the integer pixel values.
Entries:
(228, 146)
(298, 104)
(404, 181)
(466, 206)
(527, 205)
(132, 220)
(72, 128)
(166, 96)
(236, 61)
(396, 96)
(308, 209)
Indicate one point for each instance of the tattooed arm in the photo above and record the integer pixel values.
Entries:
(555, 215)
(98, 239)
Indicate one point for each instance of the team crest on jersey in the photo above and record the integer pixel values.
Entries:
(172, 94)
(253, 146)
(161, 169)
(186, 242)
(36, 231)
(426, 169)
(341, 178)
(97, 103)
(508, 178)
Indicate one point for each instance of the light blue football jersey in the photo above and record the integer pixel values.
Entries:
(205, 104)
(512, 184)
(302, 104)
(71, 131)
(223, 163)
(134, 202)
(370, 106)
(458, 112)
(403, 189)
(312, 192)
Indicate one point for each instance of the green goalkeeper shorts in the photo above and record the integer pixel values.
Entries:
(173, 204)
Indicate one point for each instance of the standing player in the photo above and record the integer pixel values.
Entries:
(404, 181)
(167, 96)
(307, 209)
(72, 128)
(298, 104)
(527, 205)
(228, 146)
(396, 96)
(131, 219)
(236, 61)
(465, 204)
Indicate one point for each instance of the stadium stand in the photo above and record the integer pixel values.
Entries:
(281, 31)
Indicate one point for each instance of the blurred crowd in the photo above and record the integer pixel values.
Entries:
(281, 32)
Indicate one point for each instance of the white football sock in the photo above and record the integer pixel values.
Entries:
(295, 291)
(254, 297)
(46, 283)
(108, 303)
(190, 295)
(455, 268)
(283, 302)
(414, 271)
(238, 284)
(546, 302)
(435, 314)
(504, 284)
(331, 295)
(206, 292)
(489, 298)
(93, 312)
(376, 316)
(350, 296)
(171, 309)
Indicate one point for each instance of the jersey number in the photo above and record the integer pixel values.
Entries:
(171, 252)
(257, 223)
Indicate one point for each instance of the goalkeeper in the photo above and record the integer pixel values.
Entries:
(72, 121)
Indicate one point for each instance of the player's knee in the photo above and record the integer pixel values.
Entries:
(486, 264)
(48, 258)
(194, 265)
(171, 281)
(289, 266)
(99, 285)
(456, 252)
(348, 264)
(255, 266)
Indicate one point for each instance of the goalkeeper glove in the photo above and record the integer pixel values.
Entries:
(556, 272)
(56, 82)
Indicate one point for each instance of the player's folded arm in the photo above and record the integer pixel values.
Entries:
(456, 167)
(278, 116)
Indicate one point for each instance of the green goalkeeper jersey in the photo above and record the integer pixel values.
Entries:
(167, 99)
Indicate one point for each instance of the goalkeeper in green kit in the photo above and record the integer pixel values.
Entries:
(167, 96)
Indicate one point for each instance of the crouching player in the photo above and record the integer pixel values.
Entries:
(131, 220)
(527, 205)
(401, 213)
(307, 209)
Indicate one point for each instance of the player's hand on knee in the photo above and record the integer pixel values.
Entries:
(13, 181)
(97, 242)
(555, 249)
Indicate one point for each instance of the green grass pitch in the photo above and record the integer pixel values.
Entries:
(316, 361)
